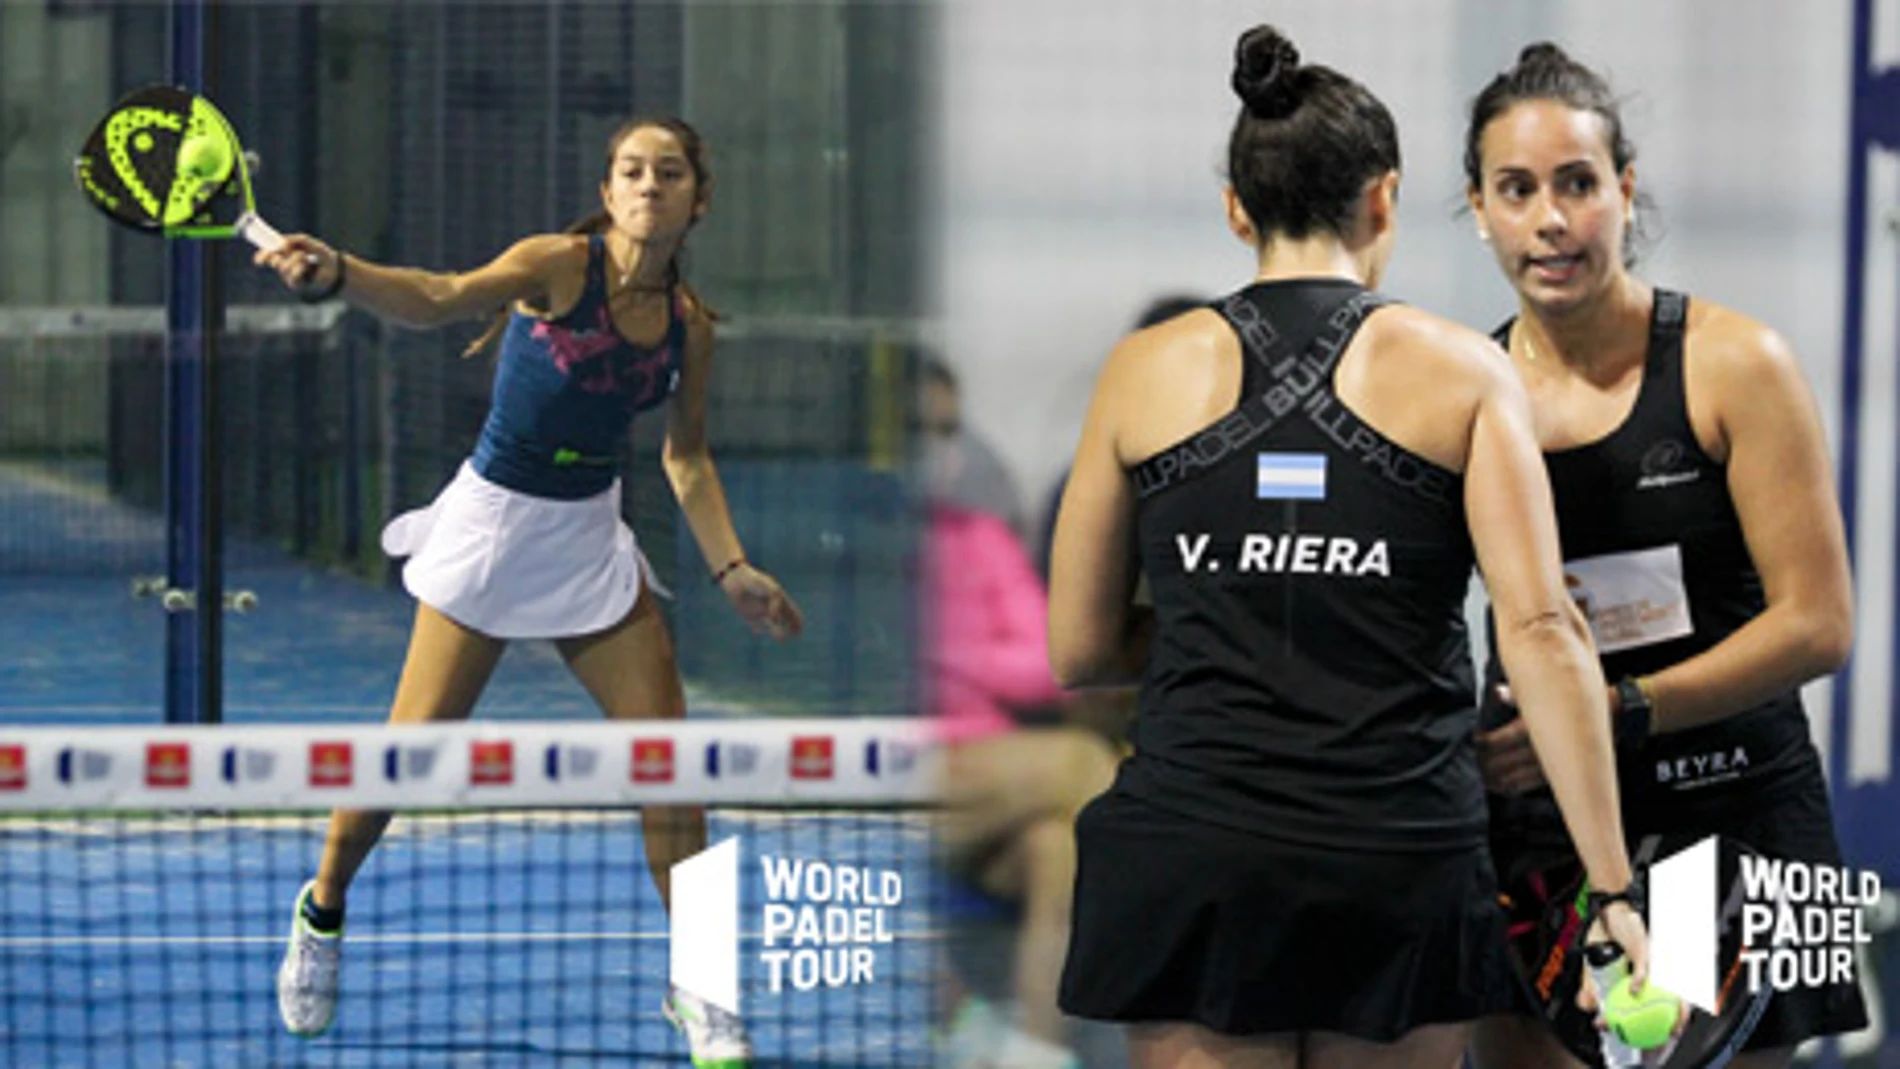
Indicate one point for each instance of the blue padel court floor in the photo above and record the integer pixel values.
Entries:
(479, 940)
(482, 940)
(322, 646)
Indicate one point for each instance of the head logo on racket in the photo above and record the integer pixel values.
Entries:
(166, 161)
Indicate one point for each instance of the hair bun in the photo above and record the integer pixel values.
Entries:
(1542, 52)
(1265, 63)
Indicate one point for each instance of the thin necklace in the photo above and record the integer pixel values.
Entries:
(626, 277)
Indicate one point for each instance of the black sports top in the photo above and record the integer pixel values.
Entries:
(1654, 555)
(1311, 674)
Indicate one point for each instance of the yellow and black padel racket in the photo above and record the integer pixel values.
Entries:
(164, 160)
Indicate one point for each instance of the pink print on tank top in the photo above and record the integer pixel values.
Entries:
(600, 361)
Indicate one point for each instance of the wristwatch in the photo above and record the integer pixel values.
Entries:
(1632, 723)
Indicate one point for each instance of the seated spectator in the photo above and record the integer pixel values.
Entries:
(1011, 791)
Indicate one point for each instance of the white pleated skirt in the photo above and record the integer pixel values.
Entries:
(512, 565)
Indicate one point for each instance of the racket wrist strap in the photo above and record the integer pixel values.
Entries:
(336, 284)
(1602, 900)
(1595, 902)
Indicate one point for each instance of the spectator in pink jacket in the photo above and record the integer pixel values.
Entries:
(1018, 772)
(988, 618)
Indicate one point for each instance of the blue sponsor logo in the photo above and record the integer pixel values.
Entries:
(244, 764)
(407, 763)
(77, 764)
(731, 759)
(889, 757)
(571, 762)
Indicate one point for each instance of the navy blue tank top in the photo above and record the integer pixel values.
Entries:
(567, 389)
(1311, 675)
(1655, 556)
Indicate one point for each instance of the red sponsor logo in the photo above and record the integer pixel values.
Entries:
(653, 760)
(811, 757)
(12, 768)
(491, 764)
(168, 764)
(331, 764)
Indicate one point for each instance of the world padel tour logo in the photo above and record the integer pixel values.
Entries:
(78, 764)
(821, 922)
(891, 757)
(246, 764)
(409, 763)
(731, 759)
(570, 761)
(819, 926)
(1779, 925)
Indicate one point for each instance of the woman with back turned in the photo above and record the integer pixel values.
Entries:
(1291, 869)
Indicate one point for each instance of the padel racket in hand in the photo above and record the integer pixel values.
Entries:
(1546, 908)
(166, 161)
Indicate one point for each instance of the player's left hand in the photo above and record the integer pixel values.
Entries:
(1506, 757)
(764, 605)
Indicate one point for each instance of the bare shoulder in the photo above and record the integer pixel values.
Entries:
(1167, 381)
(1450, 359)
(1184, 349)
(1730, 350)
(549, 250)
(547, 270)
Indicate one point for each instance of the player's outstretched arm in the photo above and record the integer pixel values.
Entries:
(417, 298)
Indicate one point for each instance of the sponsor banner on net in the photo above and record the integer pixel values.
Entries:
(488, 763)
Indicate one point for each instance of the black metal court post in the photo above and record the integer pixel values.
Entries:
(1874, 108)
(1862, 809)
(193, 519)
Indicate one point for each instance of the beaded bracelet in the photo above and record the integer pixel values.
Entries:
(719, 577)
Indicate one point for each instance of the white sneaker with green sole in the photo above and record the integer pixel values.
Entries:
(306, 981)
(716, 1037)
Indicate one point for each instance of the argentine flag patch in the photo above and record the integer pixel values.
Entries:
(1290, 477)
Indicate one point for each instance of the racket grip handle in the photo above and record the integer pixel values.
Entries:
(258, 232)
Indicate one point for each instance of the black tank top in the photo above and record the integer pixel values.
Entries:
(1311, 676)
(1654, 555)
